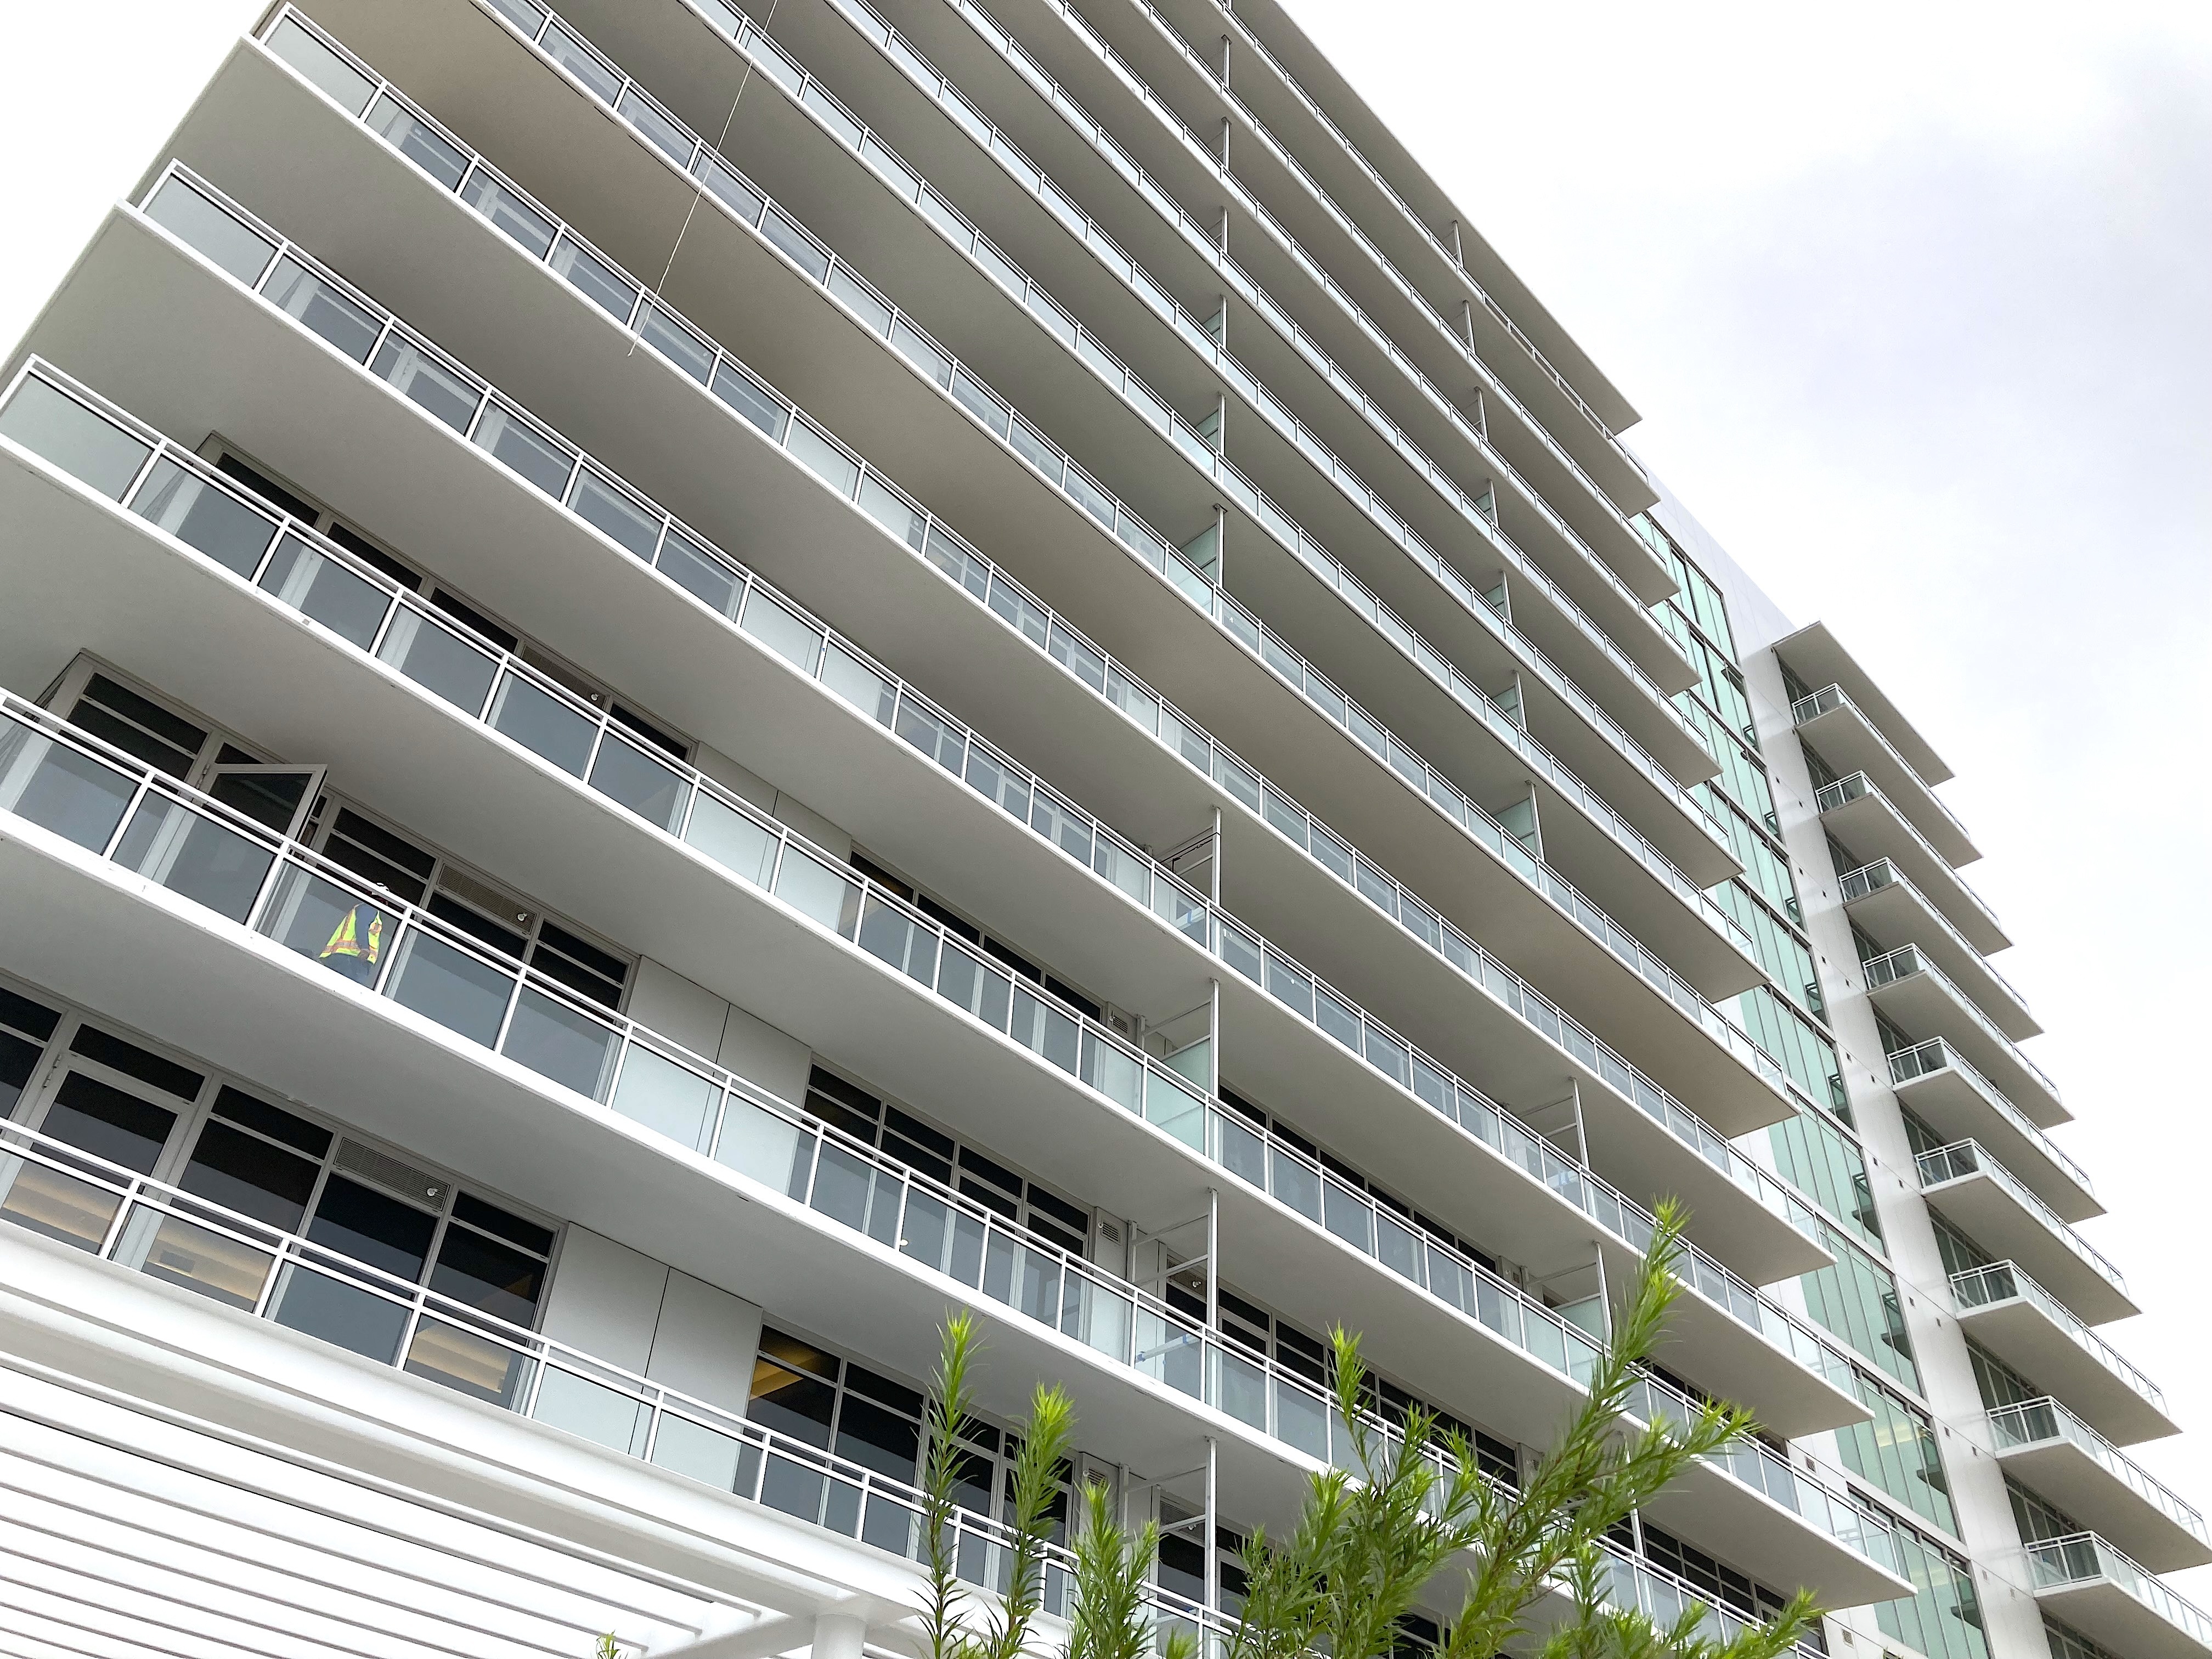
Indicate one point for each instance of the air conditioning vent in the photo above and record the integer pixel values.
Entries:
(391, 1174)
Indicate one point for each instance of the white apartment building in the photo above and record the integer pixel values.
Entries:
(681, 687)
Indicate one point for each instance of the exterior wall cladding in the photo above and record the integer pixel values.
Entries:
(682, 688)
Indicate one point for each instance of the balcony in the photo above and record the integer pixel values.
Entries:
(1850, 741)
(1866, 820)
(211, 1262)
(1320, 270)
(450, 287)
(1891, 907)
(2069, 1462)
(1909, 988)
(497, 1043)
(1966, 1185)
(2027, 1327)
(2090, 1585)
(1818, 658)
(1937, 1082)
(1680, 1147)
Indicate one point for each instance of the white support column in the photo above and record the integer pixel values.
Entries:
(1212, 1522)
(839, 1635)
(1213, 1039)
(1214, 866)
(1212, 1285)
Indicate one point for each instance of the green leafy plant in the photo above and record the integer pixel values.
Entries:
(1043, 1437)
(1413, 1523)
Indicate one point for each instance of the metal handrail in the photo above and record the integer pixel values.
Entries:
(1961, 1159)
(1856, 785)
(2039, 1422)
(1870, 878)
(619, 94)
(666, 1428)
(1908, 960)
(2084, 1558)
(1935, 1054)
(887, 926)
(2003, 1281)
(1832, 696)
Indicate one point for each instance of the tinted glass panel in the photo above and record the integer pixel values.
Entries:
(357, 1221)
(134, 1061)
(242, 1172)
(106, 1121)
(488, 1275)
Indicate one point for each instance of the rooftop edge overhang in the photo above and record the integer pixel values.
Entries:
(1818, 658)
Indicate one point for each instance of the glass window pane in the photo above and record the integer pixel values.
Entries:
(60, 789)
(246, 1172)
(419, 142)
(439, 660)
(460, 993)
(420, 378)
(214, 1265)
(489, 1275)
(205, 518)
(590, 1409)
(543, 725)
(369, 1227)
(824, 459)
(608, 506)
(745, 395)
(782, 631)
(731, 839)
(514, 218)
(559, 1042)
(195, 856)
(324, 922)
(326, 310)
(213, 231)
(626, 773)
(467, 1363)
(671, 1100)
(544, 461)
(87, 446)
(353, 1318)
(343, 601)
(594, 278)
(291, 41)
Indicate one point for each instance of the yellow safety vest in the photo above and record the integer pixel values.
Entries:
(348, 940)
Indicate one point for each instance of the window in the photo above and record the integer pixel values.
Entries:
(944, 1158)
(132, 1107)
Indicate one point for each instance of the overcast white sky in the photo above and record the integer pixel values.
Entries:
(1914, 299)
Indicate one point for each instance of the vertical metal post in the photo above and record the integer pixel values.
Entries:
(1214, 863)
(1213, 1259)
(1213, 1570)
(1213, 1039)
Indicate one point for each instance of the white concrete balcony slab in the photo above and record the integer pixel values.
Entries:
(1654, 1141)
(2027, 1327)
(2088, 1584)
(592, 377)
(520, 1419)
(1871, 824)
(1881, 897)
(1939, 1083)
(1850, 741)
(1906, 985)
(2066, 1460)
(1817, 657)
(251, 997)
(1280, 570)
(1966, 1185)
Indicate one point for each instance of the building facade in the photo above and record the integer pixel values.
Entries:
(684, 687)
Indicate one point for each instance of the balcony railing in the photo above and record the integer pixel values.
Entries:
(1828, 699)
(129, 813)
(1908, 960)
(562, 47)
(1207, 156)
(1925, 1059)
(2003, 1281)
(2039, 1422)
(1962, 1159)
(470, 407)
(1195, 333)
(1252, 43)
(323, 581)
(1831, 797)
(408, 129)
(157, 1230)
(1870, 878)
(2083, 1558)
